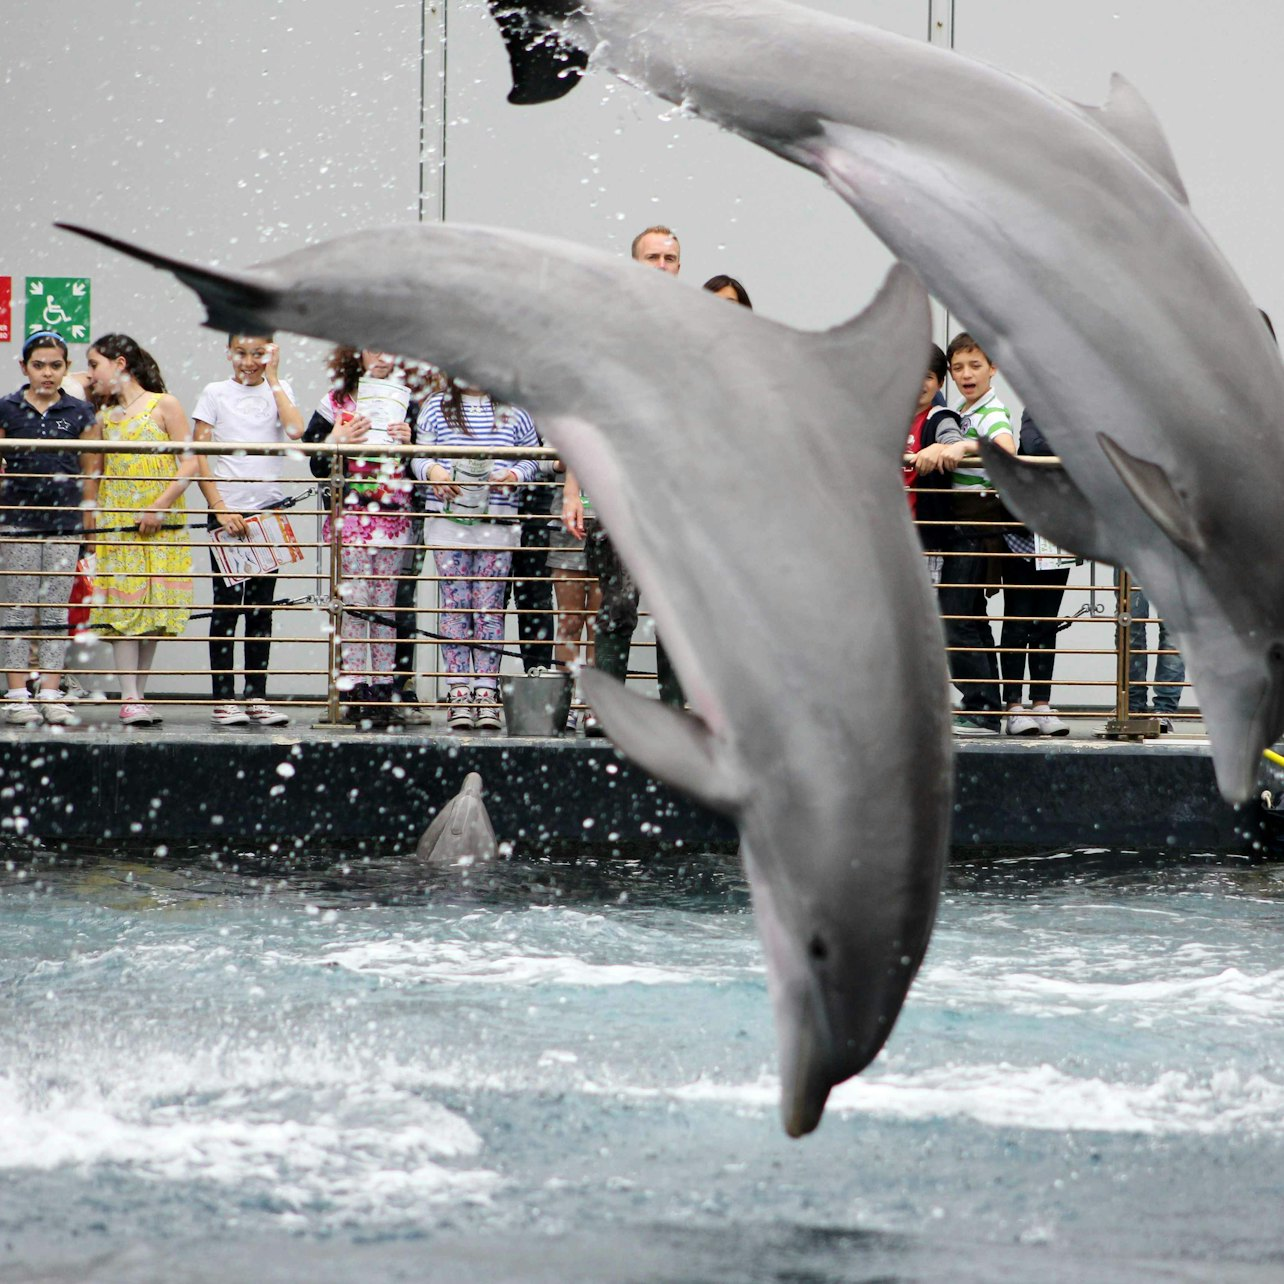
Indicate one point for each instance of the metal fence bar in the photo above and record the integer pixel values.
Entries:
(330, 600)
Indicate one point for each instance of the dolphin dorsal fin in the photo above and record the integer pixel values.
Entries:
(673, 746)
(873, 354)
(1127, 115)
(1045, 498)
(1159, 499)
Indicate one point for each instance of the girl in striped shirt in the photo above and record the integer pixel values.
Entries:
(472, 532)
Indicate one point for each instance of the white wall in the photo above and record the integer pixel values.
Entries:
(235, 132)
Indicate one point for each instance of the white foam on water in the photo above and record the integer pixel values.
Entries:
(497, 963)
(370, 1150)
(1035, 1097)
(1186, 992)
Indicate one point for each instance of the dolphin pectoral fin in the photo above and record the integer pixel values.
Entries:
(673, 746)
(1046, 499)
(544, 66)
(1127, 115)
(1154, 491)
(232, 301)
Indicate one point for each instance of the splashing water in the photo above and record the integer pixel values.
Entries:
(567, 1072)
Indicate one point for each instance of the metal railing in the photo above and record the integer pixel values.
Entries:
(319, 603)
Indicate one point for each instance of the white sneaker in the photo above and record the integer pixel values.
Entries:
(229, 715)
(265, 715)
(489, 711)
(1020, 724)
(21, 713)
(1048, 722)
(55, 713)
(460, 717)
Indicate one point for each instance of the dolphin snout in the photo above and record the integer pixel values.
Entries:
(806, 1071)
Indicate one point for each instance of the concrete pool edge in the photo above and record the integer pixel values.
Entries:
(190, 783)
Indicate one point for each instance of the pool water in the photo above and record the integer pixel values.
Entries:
(566, 1072)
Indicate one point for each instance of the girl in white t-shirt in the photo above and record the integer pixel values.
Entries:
(254, 406)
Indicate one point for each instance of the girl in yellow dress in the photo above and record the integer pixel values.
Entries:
(143, 584)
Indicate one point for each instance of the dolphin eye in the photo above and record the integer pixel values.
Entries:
(818, 949)
(1276, 654)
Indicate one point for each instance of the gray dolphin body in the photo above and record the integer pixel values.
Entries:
(1062, 236)
(461, 831)
(749, 475)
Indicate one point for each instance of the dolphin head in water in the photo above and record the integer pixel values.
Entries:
(778, 558)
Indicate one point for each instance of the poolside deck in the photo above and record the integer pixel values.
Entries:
(301, 785)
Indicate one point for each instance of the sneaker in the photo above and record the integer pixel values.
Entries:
(967, 725)
(1021, 724)
(227, 715)
(489, 711)
(356, 703)
(72, 689)
(21, 713)
(1165, 725)
(265, 715)
(137, 715)
(1048, 722)
(592, 727)
(572, 721)
(383, 712)
(56, 714)
(460, 717)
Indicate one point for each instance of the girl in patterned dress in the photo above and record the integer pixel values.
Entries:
(375, 530)
(143, 585)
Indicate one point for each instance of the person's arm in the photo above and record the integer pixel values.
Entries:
(518, 472)
(174, 421)
(91, 465)
(572, 506)
(232, 523)
(286, 411)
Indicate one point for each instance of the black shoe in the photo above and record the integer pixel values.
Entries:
(355, 703)
(383, 712)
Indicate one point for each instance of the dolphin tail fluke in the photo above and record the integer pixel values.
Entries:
(672, 745)
(1045, 498)
(233, 302)
(461, 831)
(544, 66)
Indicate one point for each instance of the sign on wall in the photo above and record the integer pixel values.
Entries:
(59, 303)
(6, 309)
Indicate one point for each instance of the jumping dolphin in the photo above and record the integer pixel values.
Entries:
(461, 831)
(749, 476)
(1061, 235)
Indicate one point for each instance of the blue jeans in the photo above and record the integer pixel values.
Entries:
(1169, 667)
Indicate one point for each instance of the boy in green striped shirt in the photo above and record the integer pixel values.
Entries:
(968, 564)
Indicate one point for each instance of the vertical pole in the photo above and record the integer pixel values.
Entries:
(335, 604)
(433, 25)
(1125, 725)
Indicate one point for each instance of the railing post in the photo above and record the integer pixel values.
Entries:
(334, 606)
(1125, 725)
